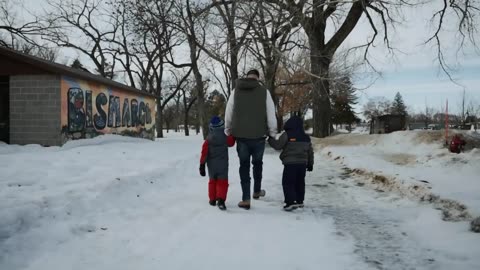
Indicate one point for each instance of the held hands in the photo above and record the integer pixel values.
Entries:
(202, 170)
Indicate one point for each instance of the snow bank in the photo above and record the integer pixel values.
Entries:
(361, 130)
(417, 164)
(97, 141)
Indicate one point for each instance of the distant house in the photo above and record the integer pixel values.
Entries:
(436, 126)
(387, 123)
(416, 126)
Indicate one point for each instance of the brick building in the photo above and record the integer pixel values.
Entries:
(46, 103)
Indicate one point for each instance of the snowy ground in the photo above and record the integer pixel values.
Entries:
(123, 203)
(416, 161)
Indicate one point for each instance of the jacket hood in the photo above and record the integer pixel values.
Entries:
(294, 123)
(294, 129)
(247, 84)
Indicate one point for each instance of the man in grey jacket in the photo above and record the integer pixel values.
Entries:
(250, 118)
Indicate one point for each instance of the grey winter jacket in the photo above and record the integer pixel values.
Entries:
(295, 144)
(217, 156)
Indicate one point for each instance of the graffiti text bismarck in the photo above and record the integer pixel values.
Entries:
(108, 113)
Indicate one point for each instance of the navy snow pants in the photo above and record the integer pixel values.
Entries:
(293, 183)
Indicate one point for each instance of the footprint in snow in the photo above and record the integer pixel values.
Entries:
(82, 229)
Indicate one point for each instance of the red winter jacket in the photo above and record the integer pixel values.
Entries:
(457, 144)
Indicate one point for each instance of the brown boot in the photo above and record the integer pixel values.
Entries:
(244, 204)
(257, 195)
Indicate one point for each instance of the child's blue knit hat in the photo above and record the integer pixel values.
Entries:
(216, 122)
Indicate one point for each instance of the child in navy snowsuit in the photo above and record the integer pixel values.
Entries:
(297, 158)
(215, 155)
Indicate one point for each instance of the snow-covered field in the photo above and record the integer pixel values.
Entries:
(122, 203)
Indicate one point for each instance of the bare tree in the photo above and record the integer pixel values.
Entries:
(463, 106)
(169, 116)
(274, 33)
(316, 17)
(189, 98)
(294, 91)
(224, 79)
(176, 83)
(142, 44)
(230, 18)
(191, 23)
(84, 26)
(22, 36)
(229, 13)
(428, 115)
(376, 107)
(124, 45)
(44, 52)
(177, 100)
(474, 108)
(13, 32)
(465, 12)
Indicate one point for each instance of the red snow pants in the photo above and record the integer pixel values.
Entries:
(217, 189)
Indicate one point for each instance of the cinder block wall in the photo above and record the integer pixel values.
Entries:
(35, 109)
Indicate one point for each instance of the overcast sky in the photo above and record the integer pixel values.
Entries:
(412, 71)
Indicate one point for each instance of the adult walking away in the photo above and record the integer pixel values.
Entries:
(250, 118)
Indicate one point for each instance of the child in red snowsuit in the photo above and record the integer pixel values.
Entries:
(215, 156)
(457, 144)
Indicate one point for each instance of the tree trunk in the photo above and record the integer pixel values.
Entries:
(270, 84)
(322, 110)
(177, 114)
(167, 123)
(234, 67)
(159, 119)
(199, 88)
(185, 124)
(202, 114)
(320, 61)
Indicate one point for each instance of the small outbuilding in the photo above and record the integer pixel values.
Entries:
(42, 102)
(387, 123)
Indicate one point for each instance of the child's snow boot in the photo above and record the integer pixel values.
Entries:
(289, 207)
(221, 204)
(212, 202)
(299, 204)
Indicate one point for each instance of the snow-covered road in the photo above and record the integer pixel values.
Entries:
(121, 203)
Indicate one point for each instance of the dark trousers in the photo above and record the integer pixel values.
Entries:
(293, 182)
(254, 149)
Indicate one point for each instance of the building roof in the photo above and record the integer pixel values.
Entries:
(44, 66)
(390, 116)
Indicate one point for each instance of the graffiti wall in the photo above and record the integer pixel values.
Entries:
(90, 109)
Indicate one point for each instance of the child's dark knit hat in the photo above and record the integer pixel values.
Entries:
(216, 122)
